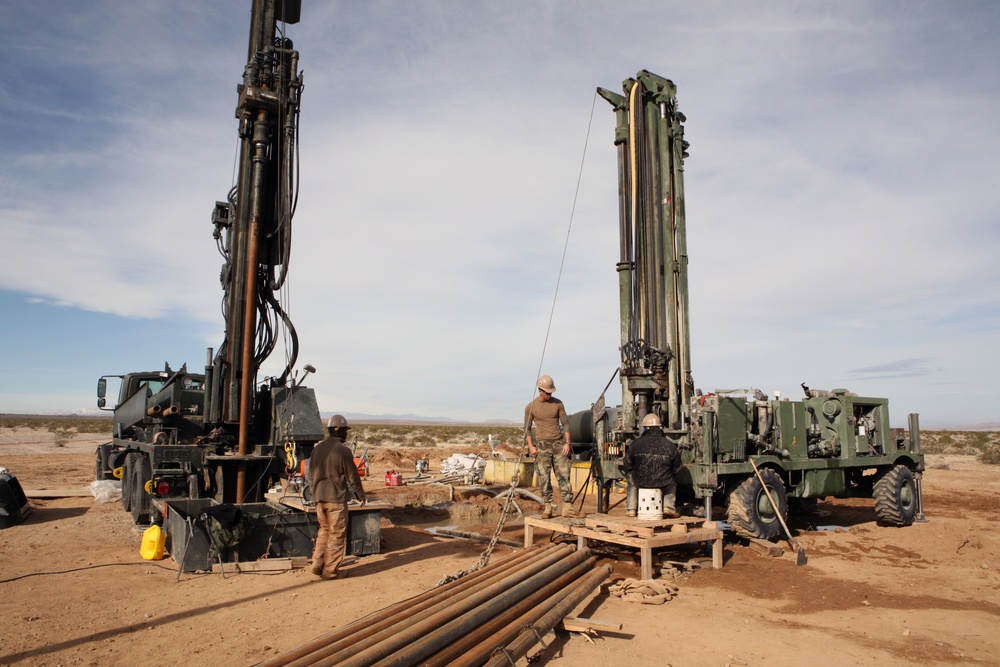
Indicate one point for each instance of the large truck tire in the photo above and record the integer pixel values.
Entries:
(142, 472)
(751, 513)
(895, 497)
(101, 471)
(127, 481)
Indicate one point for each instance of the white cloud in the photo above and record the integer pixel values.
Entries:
(840, 192)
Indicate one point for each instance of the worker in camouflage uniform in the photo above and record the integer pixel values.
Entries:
(331, 473)
(548, 414)
(651, 462)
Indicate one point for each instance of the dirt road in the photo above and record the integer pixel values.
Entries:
(74, 591)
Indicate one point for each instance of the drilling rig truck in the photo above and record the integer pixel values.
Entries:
(224, 433)
(829, 443)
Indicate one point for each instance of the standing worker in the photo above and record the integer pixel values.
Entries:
(651, 462)
(549, 416)
(331, 469)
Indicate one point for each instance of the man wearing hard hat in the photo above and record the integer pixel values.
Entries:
(548, 414)
(331, 469)
(651, 462)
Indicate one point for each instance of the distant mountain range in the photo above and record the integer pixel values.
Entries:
(355, 416)
(411, 418)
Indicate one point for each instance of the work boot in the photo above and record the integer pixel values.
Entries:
(547, 511)
(630, 513)
(317, 568)
(670, 506)
(571, 512)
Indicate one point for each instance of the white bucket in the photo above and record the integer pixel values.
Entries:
(650, 505)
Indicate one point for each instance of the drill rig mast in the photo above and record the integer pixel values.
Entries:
(253, 228)
(831, 443)
(225, 434)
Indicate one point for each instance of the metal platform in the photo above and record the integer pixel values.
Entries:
(626, 531)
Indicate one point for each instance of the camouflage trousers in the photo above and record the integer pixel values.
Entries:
(550, 457)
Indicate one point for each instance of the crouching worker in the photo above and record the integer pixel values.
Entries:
(651, 462)
(331, 470)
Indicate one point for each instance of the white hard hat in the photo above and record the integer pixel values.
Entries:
(650, 420)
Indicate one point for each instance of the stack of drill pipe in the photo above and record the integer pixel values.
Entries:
(477, 646)
(531, 635)
(459, 618)
(385, 617)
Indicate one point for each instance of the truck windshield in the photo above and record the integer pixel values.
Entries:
(154, 385)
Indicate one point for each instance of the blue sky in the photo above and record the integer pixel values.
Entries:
(842, 197)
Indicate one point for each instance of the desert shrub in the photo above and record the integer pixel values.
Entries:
(426, 434)
(991, 454)
(53, 423)
(61, 437)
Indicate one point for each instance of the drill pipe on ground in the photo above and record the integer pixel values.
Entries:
(530, 636)
(301, 656)
(425, 639)
(369, 649)
(532, 606)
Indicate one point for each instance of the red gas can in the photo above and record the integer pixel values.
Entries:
(393, 478)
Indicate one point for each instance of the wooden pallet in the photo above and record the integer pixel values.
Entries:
(625, 525)
(294, 501)
(643, 535)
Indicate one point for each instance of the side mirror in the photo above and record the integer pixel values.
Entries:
(101, 402)
(102, 390)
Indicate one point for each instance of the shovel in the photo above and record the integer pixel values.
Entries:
(800, 553)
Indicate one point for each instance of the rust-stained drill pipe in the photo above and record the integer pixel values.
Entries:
(482, 652)
(529, 608)
(420, 641)
(304, 655)
(369, 649)
(528, 637)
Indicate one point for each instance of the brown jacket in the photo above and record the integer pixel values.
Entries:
(331, 468)
(549, 417)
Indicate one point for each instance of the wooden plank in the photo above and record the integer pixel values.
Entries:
(584, 624)
(619, 526)
(266, 565)
(640, 527)
(767, 548)
(646, 562)
(295, 502)
(272, 564)
(41, 494)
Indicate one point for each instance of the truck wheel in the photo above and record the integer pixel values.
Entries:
(142, 472)
(127, 481)
(101, 463)
(751, 513)
(895, 497)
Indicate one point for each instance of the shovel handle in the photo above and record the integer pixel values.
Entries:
(777, 510)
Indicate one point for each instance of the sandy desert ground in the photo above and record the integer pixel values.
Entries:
(74, 590)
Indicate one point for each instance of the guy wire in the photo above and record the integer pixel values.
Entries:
(569, 229)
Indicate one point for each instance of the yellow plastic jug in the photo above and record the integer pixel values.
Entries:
(153, 541)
